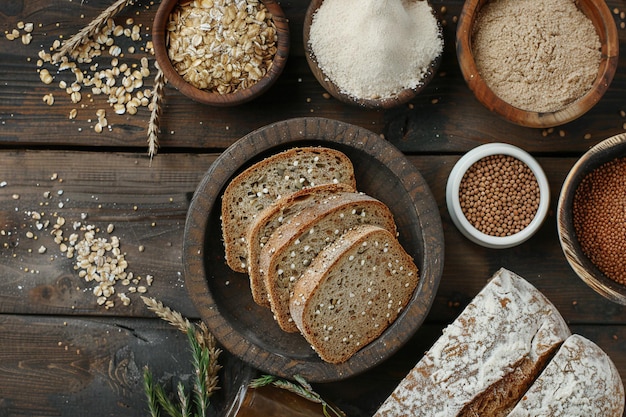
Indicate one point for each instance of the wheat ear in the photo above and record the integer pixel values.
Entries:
(172, 317)
(91, 29)
(156, 108)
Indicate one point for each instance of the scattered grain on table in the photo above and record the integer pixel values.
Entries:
(96, 67)
(98, 261)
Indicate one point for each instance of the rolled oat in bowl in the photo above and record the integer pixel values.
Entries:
(221, 46)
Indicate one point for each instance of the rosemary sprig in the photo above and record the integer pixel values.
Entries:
(302, 388)
(91, 29)
(205, 354)
(164, 401)
(149, 389)
(156, 108)
(200, 359)
(183, 398)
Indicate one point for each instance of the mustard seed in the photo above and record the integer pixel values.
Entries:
(599, 216)
(499, 195)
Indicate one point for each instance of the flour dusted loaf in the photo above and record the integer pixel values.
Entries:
(487, 358)
(274, 177)
(272, 217)
(353, 290)
(581, 380)
(294, 245)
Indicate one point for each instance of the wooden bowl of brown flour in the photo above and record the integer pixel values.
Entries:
(537, 64)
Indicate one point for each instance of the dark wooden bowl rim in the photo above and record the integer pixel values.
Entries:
(222, 297)
(215, 99)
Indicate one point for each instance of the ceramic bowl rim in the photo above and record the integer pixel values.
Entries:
(454, 205)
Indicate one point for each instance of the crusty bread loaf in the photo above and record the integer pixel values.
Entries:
(262, 183)
(353, 290)
(486, 358)
(581, 380)
(293, 246)
(274, 216)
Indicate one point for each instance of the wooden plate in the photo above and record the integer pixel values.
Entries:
(223, 297)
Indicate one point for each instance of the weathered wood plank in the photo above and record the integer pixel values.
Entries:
(148, 205)
(92, 366)
(64, 367)
(455, 123)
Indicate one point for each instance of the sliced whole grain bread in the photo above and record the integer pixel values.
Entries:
(581, 380)
(353, 290)
(487, 358)
(272, 217)
(274, 177)
(295, 244)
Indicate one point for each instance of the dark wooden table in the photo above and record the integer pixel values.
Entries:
(63, 354)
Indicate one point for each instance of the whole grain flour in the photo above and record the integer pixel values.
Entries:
(536, 55)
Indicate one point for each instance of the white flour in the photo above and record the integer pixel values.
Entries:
(375, 48)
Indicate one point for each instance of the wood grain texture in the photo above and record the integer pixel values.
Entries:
(33, 284)
(66, 366)
(70, 366)
(444, 117)
(109, 177)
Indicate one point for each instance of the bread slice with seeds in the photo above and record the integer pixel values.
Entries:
(272, 217)
(295, 244)
(487, 358)
(353, 291)
(274, 177)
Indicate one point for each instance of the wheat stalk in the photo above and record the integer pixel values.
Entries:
(156, 107)
(91, 29)
(203, 339)
(171, 316)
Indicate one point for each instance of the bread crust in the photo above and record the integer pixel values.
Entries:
(581, 380)
(270, 219)
(370, 279)
(507, 325)
(272, 178)
(280, 272)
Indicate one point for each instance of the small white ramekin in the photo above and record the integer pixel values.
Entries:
(454, 205)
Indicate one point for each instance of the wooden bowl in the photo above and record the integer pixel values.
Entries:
(386, 103)
(604, 23)
(603, 152)
(213, 98)
(223, 297)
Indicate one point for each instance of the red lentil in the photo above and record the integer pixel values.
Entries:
(499, 195)
(599, 215)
